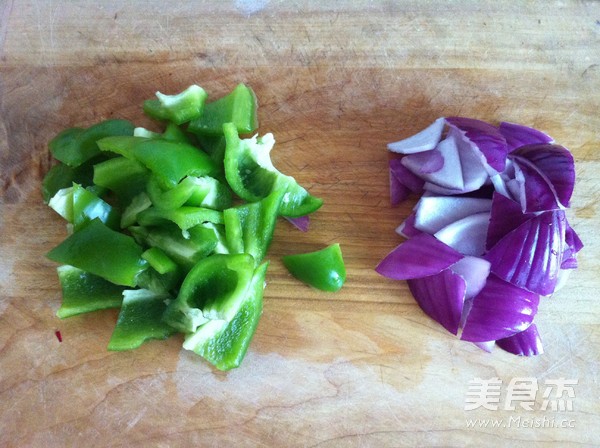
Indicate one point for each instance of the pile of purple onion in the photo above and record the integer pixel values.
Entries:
(489, 235)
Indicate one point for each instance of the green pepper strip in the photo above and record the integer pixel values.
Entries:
(214, 289)
(99, 250)
(63, 176)
(83, 292)
(126, 178)
(179, 108)
(249, 228)
(239, 108)
(169, 161)
(140, 320)
(163, 274)
(185, 217)
(224, 344)
(252, 176)
(75, 146)
(323, 269)
(194, 191)
(186, 252)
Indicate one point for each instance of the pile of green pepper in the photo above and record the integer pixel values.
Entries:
(155, 228)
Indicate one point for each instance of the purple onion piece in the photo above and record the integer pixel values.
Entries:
(433, 213)
(301, 223)
(500, 310)
(449, 175)
(420, 256)
(487, 346)
(486, 138)
(422, 141)
(405, 177)
(555, 166)
(535, 193)
(505, 216)
(467, 235)
(525, 343)
(474, 271)
(441, 297)
(530, 256)
(517, 135)
(407, 229)
(425, 162)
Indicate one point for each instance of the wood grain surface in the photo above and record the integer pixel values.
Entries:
(336, 81)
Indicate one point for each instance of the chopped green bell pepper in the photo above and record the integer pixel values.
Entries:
(239, 108)
(140, 320)
(101, 251)
(63, 176)
(185, 217)
(83, 292)
(186, 252)
(252, 176)
(215, 288)
(78, 206)
(179, 108)
(249, 228)
(163, 275)
(202, 191)
(323, 269)
(75, 146)
(137, 205)
(125, 178)
(224, 344)
(170, 161)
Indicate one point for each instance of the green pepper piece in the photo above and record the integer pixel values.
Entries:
(194, 191)
(185, 217)
(163, 274)
(159, 260)
(323, 269)
(186, 252)
(62, 176)
(140, 320)
(78, 205)
(249, 228)
(99, 250)
(138, 204)
(83, 292)
(224, 344)
(214, 289)
(239, 108)
(126, 178)
(75, 146)
(214, 146)
(252, 176)
(179, 108)
(169, 161)
(87, 206)
(62, 203)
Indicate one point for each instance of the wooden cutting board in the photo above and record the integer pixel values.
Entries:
(336, 81)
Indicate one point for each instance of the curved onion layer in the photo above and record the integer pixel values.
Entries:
(517, 135)
(420, 256)
(407, 229)
(489, 236)
(525, 343)
(486, 138)
(500, 310)
(402, 182)
(441, 296)
(545, 175)
(530, 256)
